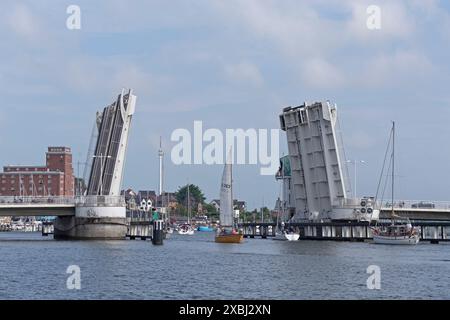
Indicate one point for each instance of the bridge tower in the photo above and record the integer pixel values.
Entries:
(318, 168)
(101, 213)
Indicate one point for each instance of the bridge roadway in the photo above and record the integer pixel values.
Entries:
(65, 206)
(53, 206)
(417, 210)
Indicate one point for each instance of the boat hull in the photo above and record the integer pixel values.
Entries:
(292, 236)
(229, 238)
(186, 232)
(402, 240)
(205, 229)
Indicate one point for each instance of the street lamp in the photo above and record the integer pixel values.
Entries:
(355, 162)
(101, 157)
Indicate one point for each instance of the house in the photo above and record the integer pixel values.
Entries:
(133, 199)
(237, 204)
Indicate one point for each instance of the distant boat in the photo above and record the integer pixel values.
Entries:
(205, 229)
(169, 230)
(227, 232)
(291, 235)
(186, 228)
(398, 232)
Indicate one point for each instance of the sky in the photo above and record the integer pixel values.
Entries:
(231, 64)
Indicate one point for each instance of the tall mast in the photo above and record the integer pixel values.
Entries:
(231, 188)
(393, 164)
(189, 203)
(161, 170)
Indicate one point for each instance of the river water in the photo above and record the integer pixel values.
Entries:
(195, 267)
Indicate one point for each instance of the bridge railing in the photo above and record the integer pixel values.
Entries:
(416, 204)
(101, 201)
(94, 201)
(398, 204)
(37, 200)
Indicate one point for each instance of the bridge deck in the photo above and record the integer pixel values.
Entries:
(53, 206)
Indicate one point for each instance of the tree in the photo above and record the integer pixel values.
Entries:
(195, 196)
(211, 211)
(210, 208)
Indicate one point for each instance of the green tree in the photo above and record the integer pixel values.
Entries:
(211, 211)
(195, 196)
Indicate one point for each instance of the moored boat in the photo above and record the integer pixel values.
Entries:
(398, 232)
(205, 229)
(186, 229)
(291, 235)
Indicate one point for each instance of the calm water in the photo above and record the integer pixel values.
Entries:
(195, 267)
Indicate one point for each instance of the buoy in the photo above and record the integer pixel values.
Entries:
(158, 232)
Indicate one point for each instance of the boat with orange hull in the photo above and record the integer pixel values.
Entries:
(227, 232)
(229, 238)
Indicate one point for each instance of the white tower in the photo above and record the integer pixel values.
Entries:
(161, 168)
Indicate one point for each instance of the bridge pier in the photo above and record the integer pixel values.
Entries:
(92, 223)
(90, 228)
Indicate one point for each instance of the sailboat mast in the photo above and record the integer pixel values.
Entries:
(231, 195)
(393, 164)
(189, 204)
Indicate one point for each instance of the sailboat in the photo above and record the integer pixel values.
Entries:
(186, 228)
(398, 232)
(284, 233)
(291, 235)
(227, 232)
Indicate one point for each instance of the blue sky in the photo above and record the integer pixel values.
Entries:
(232, 64)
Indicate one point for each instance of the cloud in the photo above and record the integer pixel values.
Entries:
(244, 73)
(319, 73)
(291, 25)
(22, 22)
(398, 68)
